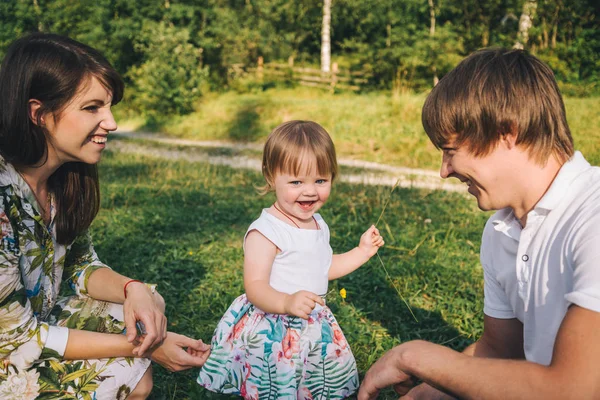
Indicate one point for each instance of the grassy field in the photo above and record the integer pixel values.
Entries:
(373, 127)
(181, 225)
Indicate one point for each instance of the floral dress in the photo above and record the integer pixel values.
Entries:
(259, 355)
(35, 318)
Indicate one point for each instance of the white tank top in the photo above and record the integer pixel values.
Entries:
(304, 258)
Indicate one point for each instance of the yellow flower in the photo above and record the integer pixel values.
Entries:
(343, 293)
(191, 253)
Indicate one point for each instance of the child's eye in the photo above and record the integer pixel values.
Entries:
(295, 183)
(321, 181)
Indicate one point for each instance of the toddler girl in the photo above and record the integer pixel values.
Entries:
(280, 340)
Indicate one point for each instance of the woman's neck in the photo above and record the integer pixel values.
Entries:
(37, 177)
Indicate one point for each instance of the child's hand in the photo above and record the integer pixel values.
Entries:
(301, 304)
(371, 241)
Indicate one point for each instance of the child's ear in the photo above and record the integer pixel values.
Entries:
(34, 109)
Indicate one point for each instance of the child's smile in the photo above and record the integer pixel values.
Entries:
(306, 205)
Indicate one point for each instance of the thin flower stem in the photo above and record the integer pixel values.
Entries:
(388, 200)
(396, 287)
(381, 261)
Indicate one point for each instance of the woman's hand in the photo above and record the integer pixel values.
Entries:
(179, 352)
(148, 308)
(371, 241)
(301, 304)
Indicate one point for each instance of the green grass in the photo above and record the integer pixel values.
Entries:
(373, 127)
(181, 225)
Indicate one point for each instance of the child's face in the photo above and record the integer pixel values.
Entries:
(302, 195)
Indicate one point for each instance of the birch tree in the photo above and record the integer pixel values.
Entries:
(525, 23)
(326, 37)
(431, 35)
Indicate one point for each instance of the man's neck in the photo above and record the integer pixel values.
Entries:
(533, 185)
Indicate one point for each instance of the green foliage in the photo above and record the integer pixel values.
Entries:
(390, 39)
(171, 77)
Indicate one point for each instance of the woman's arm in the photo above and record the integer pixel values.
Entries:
(176, 352)
(259, 255)
(343, 264)
(91, 277)
(22, 336)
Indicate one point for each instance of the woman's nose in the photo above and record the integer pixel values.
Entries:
(108, 123)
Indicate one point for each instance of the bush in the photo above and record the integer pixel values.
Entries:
(171, 78)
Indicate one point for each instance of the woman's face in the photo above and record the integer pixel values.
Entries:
(80, 131)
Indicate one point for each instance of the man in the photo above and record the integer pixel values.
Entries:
(500, 121)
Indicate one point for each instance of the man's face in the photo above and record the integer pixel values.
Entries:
(488, 177)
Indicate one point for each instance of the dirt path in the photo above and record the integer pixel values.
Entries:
(363, 172)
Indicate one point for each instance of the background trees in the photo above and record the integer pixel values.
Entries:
(173, 50)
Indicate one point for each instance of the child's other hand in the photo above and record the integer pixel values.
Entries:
(301, 304)
(371, 241)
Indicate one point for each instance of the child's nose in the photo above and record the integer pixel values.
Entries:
(310, 190)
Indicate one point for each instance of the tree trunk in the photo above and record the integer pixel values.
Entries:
(432, 34)
(38, 15)
(326, 37)
(555, 24)
(525, 23)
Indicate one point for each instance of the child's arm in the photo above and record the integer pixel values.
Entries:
(343, 264)
(259, 255)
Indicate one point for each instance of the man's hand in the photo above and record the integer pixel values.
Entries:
(148, 308)
(301, 304)
(385, 372)
(178, 352)
(425, 392)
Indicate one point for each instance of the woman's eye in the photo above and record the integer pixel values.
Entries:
(91, 108)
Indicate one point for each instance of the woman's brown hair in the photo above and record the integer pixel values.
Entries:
(52, 69)
(494, 92)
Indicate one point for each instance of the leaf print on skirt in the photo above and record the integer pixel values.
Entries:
(259, 355)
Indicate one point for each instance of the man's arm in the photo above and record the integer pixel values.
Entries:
(502, 338)
(573, 373)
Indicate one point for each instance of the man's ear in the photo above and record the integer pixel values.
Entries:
(509, 135)
(34, 109)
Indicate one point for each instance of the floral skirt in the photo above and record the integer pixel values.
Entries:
(51, 378)
(258, 355)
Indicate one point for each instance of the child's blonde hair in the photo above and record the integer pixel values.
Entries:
(287, 146)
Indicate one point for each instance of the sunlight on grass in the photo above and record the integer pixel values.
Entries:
(373, 127)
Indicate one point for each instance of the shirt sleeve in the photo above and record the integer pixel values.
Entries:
(81, 261)
(495, 303)
(586, 265)
(23, 339)
(266, 228)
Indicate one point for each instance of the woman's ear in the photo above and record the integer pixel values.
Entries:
(34, 109)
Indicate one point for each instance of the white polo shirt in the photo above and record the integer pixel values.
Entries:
(535, 273)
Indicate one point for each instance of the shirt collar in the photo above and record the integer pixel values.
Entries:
(10, 177)
(505, 221)
(560, 185)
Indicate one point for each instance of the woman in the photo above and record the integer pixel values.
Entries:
(55, 114)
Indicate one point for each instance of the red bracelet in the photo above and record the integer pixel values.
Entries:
(126, 284)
